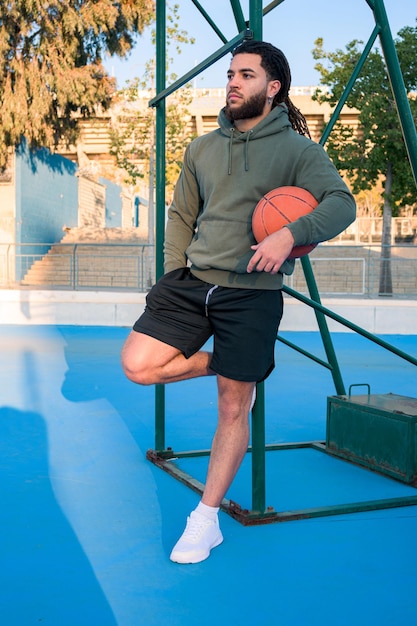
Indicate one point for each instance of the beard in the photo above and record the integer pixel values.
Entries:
(253, 107)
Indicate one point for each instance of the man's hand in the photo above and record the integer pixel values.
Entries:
(271, 253)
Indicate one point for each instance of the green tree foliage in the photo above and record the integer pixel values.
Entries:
(379, 146)
(375, 152)
(51, 70)
(132, 133)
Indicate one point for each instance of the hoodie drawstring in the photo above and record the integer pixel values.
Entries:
(229, 171)
(246, 150)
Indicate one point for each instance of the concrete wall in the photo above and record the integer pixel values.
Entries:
(379, 316)
(74, 308)
(91, 203)
(113, 209)
(46, 195)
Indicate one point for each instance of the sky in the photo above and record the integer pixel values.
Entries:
(292, 26)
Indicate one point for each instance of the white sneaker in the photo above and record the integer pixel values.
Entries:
(199, 537)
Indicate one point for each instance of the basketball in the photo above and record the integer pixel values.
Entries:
(279, 207)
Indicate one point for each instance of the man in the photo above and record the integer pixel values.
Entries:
(218, 281)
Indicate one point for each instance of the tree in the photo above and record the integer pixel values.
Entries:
(376, 151)
(132, 132)
(51, 71)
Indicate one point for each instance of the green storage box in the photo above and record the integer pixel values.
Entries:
(377, 431)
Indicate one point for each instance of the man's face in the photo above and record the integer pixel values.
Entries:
(247, 88)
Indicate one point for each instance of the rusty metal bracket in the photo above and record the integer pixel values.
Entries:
(166, 460)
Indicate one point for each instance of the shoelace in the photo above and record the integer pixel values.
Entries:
(195, 528)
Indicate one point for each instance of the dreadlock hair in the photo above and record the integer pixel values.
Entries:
(276, 66)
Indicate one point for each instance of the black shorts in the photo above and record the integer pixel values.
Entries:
(184, 312)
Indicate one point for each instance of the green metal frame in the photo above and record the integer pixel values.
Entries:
(164, 457)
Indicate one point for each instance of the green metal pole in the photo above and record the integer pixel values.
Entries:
(258, 413)
(349, 86)
(186, 78)
(341, 320)
(397, 83)
(255, 19)
(258, 451)
(272, 5)
(160, 194)
(322, 324)
(209, 20)
(238, 13)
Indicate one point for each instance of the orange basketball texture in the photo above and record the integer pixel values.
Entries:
(280, 207)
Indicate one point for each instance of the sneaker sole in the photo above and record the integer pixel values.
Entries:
(184, 558)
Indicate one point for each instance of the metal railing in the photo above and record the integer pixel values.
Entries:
(77, 266)
(354, 270)
(339, 270)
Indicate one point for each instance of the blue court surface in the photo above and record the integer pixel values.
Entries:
(87, 523)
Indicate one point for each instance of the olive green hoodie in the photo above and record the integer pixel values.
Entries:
(224, 175)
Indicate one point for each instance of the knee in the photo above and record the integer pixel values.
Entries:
(136, 371)
(136, 376)
(236, 402)
(232, 410)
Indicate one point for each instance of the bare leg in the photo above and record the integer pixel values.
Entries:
(202, 532)
(230, 440)
(147, 361)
